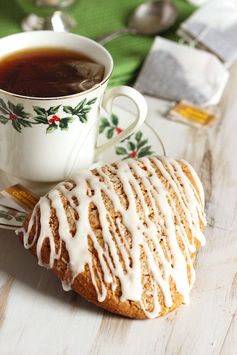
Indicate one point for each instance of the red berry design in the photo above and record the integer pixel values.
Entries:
(12, 116)
(134, 146)
(133, 154)
(54, 118)
(118, 130)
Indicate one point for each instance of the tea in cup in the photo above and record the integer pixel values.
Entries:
(52, 89)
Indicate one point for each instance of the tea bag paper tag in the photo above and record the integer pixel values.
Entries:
(190, 114)
(15, 203)
(175, 72)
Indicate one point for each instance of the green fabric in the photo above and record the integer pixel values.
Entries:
(96, 17)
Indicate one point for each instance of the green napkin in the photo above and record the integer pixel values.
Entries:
(97, 17)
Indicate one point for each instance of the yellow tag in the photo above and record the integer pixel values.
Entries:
(22, 196)
(186, 112)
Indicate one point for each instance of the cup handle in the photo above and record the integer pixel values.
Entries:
(141, 106)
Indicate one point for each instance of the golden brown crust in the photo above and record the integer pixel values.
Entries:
(83, 285)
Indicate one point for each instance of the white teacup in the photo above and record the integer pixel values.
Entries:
(37, 141)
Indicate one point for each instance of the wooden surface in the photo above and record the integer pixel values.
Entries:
(38, 317)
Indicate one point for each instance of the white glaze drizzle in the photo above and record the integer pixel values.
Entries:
(144, 232)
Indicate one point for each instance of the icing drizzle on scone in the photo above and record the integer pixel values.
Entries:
(141, 218)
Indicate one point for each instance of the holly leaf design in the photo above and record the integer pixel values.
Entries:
(63, 124)
(82, 118)
(40, 111)
(114, 119)
(53, 110)
(3, 105)
(131, 146)
(91, 102)
(43, 116)
(41, 119)
(4, 108)
(15, 114)
(50, 118)
(145, 152)
(3, 119)
(11, 106)
(134, 146)
(24, 123)
(68, 109)
(110, 126)
(121, 151)
(138, 136)
(110, 133)
(142, 143)
(79, 106)
(81, 109)
(16, 125)
(4, 111)
(51, 128)
(104, 122)
(19, 111)
(70, 119)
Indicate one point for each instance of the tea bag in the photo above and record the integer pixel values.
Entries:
(176, 72)
(63, 78)
(90, 73)
(214, 26)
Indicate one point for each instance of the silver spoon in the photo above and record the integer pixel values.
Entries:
(148, 19)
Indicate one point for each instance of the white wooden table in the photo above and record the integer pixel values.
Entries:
(38, 317)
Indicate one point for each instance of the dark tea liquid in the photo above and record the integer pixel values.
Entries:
(47, 72)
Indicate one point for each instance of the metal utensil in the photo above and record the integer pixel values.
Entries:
(148, 19)
(47, 15)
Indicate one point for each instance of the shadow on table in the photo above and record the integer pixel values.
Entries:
(19, 264)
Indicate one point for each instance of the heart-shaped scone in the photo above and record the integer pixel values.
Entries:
(123, 236)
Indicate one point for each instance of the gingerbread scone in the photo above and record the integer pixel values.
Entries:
(123, 236)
